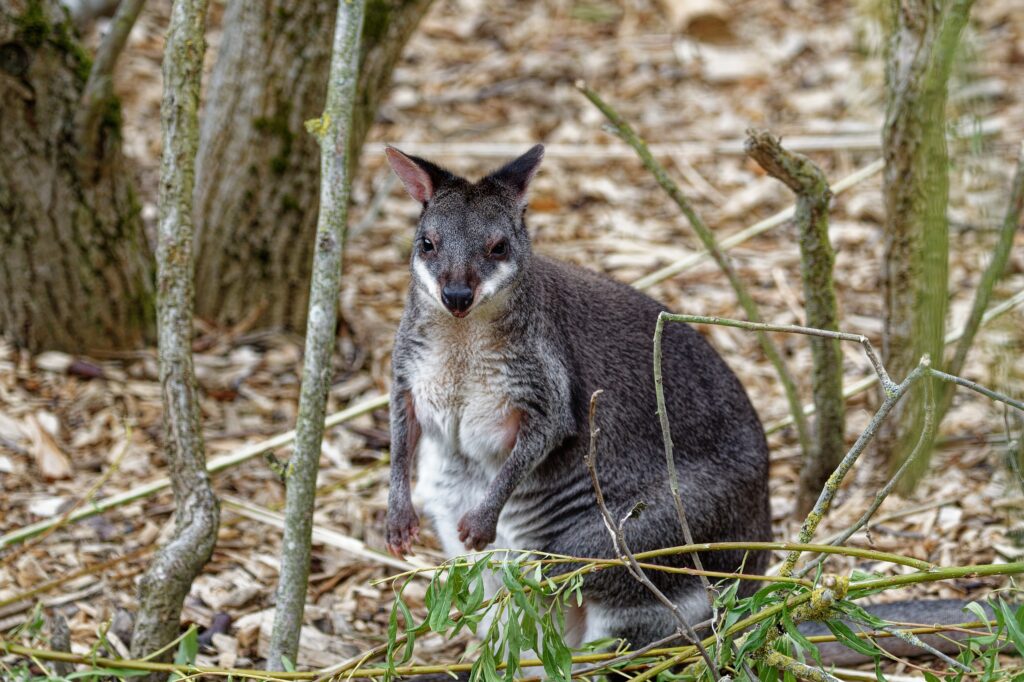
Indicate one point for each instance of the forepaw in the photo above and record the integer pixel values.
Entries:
(476, 530)
(403, 530)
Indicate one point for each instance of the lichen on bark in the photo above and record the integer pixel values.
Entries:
(332, 131)
(915, 271)
(163, 588)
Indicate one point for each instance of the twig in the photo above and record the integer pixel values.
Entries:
(869, 381)
(816, 263)
(689, 148)
(919, 450)
(627, 134)
(631, 655)
(992, 273)
(666, 434)
(332, 130)
(913, 640)
(91, 569)
(800, 670)
(619, 540)
(213, 466)
(684, 264)
(98, 94)
(163, 588)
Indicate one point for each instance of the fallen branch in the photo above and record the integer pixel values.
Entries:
(780, 218)
(214, 465)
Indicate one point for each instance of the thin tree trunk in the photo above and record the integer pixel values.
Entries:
(164, 586)
(332, 130)
(924, 39)
(256, 201)
(75, 269)
(816, 266)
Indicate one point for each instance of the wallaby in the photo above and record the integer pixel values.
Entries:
(495, 359)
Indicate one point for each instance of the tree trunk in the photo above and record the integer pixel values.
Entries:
(924, 38)
(75, 269)
(257, 175)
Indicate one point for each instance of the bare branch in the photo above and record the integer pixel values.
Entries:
(816, 264)
(332, 130)
(98, 96)
(165, 585)
(619, 541)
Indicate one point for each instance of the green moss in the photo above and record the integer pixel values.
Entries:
(34, 30)
(64, 38)
(112, 116)
(33, 26)
(278, 165)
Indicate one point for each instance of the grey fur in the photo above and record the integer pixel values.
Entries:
(558, 333)
(540, 338)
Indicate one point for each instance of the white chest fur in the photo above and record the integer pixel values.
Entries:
(460, 392)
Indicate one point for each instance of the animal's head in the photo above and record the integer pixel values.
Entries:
(471, 242)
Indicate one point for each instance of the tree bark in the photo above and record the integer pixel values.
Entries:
(816, 266)
(75, 269)
(256, 202)
(920, 53)
(333, 131)
(165, 585)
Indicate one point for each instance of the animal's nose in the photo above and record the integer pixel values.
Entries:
(457, 297)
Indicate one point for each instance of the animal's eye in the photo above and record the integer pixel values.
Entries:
(499, 250)
(426, 246)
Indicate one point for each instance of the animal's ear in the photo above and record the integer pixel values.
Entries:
(517, 174)
(420, 177)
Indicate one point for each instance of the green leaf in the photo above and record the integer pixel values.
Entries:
(799, 639)
(850, 640)
(1013, 627)
(188, 648)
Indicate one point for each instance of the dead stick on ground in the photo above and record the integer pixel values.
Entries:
(163, 588)
(332, 130)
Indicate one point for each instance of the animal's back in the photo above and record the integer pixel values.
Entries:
(607, 329)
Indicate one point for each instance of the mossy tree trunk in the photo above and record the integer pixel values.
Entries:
(75, 269)
(924, 38)
(257, 174)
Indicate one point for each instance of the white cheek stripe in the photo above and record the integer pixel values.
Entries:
(427, 282)
(501, 276)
